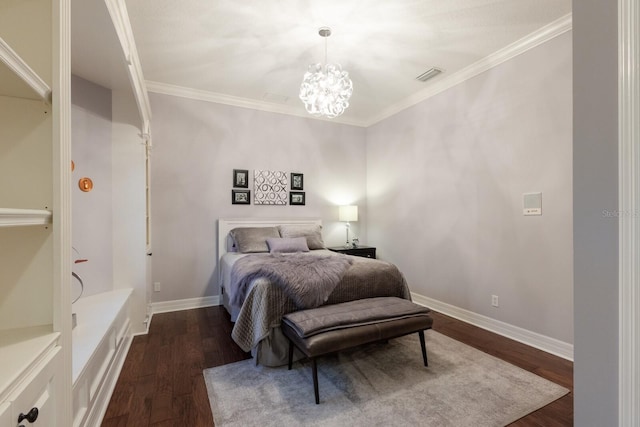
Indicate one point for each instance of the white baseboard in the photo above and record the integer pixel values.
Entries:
(533, 339)
(183, 304)
(178, 305)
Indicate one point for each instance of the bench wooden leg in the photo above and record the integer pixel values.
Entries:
(290, 354)
(424, 348)
(314, 367)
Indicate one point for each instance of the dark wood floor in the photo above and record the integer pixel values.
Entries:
(161, 383)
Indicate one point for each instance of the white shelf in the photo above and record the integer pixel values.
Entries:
(21, 349)
(21, 217)
(19, 80)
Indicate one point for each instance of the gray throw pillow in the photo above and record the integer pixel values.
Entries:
(253, 239)
(312, 233)
(287, 244)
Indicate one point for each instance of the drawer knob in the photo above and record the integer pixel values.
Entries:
(31, 416)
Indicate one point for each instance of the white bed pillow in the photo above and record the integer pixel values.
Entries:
(287, 244)
(313, 234)
(253, 239)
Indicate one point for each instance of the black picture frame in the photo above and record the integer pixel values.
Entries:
(241, 178)
(240, 197)
(297, 198)
(297, 181)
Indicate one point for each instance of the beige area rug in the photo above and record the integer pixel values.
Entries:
(381, 385)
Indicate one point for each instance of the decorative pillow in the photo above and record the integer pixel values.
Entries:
(253, 239)
(287, 244)
(313, 233)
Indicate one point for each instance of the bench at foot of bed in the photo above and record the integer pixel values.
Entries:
(331, 328)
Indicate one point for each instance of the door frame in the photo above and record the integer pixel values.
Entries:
(629, 208)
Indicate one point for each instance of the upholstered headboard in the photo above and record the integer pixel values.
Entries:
(226, 225)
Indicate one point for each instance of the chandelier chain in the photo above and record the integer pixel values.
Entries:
(325, 51)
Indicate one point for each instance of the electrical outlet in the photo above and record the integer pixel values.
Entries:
(156, 286)
(494, 301)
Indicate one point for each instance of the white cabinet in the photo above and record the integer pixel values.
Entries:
(36, 393)
(100, 345)
(37, 397)
(34, 210)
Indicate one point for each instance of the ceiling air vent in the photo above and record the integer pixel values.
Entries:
(431, 72)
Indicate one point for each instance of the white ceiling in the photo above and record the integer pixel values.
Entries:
(238, 51)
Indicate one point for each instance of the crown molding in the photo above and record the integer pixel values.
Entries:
(236, 101)
(544, 34)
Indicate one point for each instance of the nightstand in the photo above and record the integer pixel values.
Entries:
(363, 251)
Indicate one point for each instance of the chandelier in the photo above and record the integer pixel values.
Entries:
(326, 90)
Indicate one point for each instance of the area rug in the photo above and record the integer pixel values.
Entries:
(381, 385)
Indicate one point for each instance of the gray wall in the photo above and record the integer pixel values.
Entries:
(439, 187)
(445, 181)
(196, 146)
(92, 212)
(595, 166)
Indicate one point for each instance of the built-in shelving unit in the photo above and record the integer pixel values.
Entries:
(35, 196)
(33, 254)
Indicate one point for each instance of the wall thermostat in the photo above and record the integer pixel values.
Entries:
(532, 203)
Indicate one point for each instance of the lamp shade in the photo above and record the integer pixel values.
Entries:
(348, 213)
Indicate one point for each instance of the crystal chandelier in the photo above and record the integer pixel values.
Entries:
(326, 90)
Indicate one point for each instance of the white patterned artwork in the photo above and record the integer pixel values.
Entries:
(270, 187)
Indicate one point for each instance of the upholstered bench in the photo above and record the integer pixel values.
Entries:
(331, 328)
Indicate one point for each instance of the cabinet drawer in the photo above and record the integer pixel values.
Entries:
(40, 390)
(363, 252)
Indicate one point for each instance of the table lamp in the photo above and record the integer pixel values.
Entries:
(347, 214)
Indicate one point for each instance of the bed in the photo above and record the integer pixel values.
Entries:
(256, 303)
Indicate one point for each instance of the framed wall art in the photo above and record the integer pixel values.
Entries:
(241, 197)
(241, 178)
(296, 198)
(297, 181)
(270, 187)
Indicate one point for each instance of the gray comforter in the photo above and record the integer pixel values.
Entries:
(265, 304)
(307, 279)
